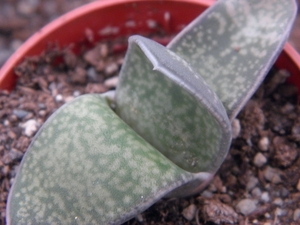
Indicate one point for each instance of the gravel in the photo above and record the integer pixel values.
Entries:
(246, 206)
(258, 182)
(259, 160)
(189, 212)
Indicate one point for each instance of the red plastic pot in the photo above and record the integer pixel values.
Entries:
(114, 18)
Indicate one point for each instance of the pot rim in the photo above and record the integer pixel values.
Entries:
(7, 70)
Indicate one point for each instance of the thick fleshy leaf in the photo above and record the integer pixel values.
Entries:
(86, 166)
(234, 43)
(171, 107)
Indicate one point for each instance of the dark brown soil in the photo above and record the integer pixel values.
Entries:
(259, 183)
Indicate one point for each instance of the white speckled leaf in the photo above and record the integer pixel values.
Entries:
(171, 107)
(86, 166)
(234, 43)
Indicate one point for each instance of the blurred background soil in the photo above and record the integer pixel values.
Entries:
(19, 19)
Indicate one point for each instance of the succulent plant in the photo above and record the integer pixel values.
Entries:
(170, 130)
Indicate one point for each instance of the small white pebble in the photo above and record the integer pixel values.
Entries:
(236, 128)
(30, 127)
(58, 98)
(139, 217)
(259, 160)
(6, 123)
(76, 93)
(263, 144)
(42, 112)
(189, 212)
(265, 197)
(111, 82)
(111, 68)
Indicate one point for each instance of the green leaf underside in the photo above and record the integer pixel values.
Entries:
(164, 101)
(86, 166)
(234, 43)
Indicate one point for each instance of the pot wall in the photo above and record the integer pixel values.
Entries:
(113, 18)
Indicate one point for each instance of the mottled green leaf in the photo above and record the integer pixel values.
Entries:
(234, 43)
(171, 107)
(86, 166)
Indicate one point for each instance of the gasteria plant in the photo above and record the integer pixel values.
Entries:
(170, 130)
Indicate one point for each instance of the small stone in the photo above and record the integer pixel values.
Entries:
(189, 212)
(253, 181)
(223, 189)
(264, 143)
(298, 185)
(42, 113)
(236, 128)
(76, 93)
(265, 197)
(30, 127)
(256, 192)
(296, 215)
(58, 98)
(246, 206)
(6, 123)
(259, 160)
(278, 202)
(272, 175)
(20, 113)
(206, 194)
(280, 212)
(111, 82)
(139, 218)
(111, 68)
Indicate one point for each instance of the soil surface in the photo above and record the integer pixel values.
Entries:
(259, 182)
